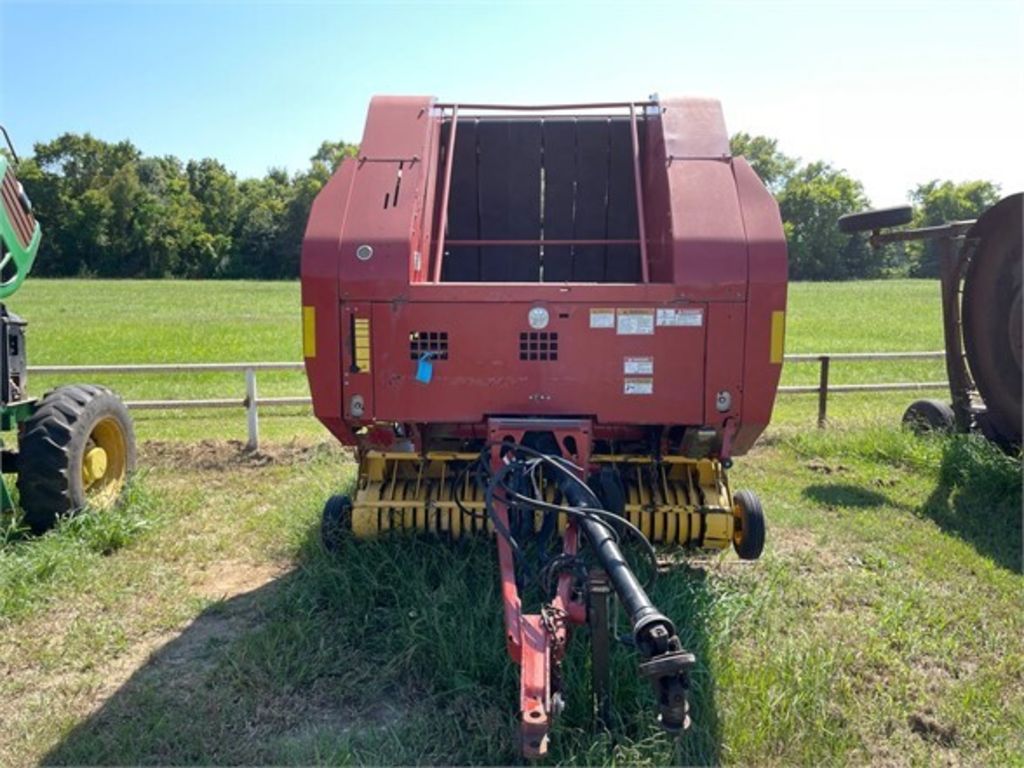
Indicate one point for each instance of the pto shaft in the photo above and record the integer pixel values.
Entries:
(665, 661)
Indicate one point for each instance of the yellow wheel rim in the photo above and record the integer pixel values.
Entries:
(739, 515)
(105, 462)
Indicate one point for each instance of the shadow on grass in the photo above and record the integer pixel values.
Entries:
(845, 495)
(978, 499)
(390, 652)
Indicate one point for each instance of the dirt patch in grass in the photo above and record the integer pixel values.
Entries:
(223, 455)
(825, 468)
(931, 730)
(225, 579)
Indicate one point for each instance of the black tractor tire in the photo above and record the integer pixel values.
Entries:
(992, 318)
(749, 529)
(877, 219)
(923, 416)
(336, 522)
(76, 450)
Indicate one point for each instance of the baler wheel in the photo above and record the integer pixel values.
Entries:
(925, 416)
(336, 522)
(749, 526)
(76, 450)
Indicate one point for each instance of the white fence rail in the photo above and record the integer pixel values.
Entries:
(251, 402)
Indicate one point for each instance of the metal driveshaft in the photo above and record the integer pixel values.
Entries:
(665, 663)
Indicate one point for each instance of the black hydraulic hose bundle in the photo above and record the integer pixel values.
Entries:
(666, 663)
(567, 471)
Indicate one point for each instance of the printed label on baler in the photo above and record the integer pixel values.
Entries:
(638, 386)
(635, 322)
(638, 366)
(602, 318)
(678, 317)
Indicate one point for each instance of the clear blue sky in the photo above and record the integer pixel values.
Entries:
(895, 92)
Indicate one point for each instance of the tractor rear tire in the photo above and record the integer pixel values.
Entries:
(336, 522)
(924, 416)
(749, 529)
(991, 310)
(76, 451)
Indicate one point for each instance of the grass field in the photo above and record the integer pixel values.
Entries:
(202, 623)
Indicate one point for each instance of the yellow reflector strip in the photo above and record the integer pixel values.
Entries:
(309, 331)
(778, 336)
(361, 327)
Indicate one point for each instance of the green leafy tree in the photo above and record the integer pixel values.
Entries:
(259, 227)
(764, 156)
(811, 200)
(329, 156)
(216, 191)
(937, 202)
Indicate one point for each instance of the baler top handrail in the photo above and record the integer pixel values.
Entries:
(645, 268)
(547, 107)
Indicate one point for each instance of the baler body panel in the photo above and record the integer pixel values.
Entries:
(425, 233)
(486, 360)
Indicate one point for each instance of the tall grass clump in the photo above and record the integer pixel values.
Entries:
(887, 445)
(978, 498)
(32, 566)
(978, 468)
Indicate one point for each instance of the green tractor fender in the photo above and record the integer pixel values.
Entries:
(20, 233)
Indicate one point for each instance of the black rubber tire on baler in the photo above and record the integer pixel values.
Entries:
(923, 416)
(336, 522)
(748, 536)
(70, 421)
(877, 219)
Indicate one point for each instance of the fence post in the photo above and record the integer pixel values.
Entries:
(823, 392)
(251, 410)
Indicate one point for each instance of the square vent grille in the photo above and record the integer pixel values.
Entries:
(538, 345)
(421, 342)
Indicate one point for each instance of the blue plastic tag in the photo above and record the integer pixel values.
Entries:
(424, 369)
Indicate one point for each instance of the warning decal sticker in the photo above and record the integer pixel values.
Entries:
(635, 322)
(602, 318)
(680, 317)
(638, 386)
(638, 366)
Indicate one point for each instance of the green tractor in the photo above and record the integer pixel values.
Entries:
(76, 445)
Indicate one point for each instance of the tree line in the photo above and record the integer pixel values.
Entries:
(110, 211)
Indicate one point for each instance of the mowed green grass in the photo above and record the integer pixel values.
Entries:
(204, 624)
(87, 322)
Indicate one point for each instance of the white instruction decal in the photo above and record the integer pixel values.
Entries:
(638, 387)
(602, 318)
(671, 316)
(635, 322)
(638, 366)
